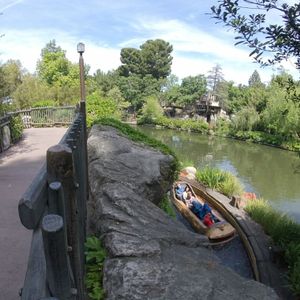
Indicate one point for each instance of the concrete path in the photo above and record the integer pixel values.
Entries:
(18, 166)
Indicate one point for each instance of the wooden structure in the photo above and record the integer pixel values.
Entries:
(54, 207)
(4, 121)
(47, 116)
(221, 230)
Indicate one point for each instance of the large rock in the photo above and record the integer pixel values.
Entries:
(151, 256)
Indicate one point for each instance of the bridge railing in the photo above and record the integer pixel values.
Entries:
(54, 207)
(47, 116)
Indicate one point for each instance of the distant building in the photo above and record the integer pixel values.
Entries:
(208, 106)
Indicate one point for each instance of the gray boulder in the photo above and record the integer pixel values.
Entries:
(151, 256)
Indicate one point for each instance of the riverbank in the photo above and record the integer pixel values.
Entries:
(223, 130)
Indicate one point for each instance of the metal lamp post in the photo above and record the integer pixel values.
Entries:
(80, 50)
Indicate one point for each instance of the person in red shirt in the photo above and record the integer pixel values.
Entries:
(207, 220)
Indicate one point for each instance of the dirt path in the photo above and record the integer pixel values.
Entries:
(18, 166)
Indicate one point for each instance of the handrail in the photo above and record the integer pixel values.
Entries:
(54, 207)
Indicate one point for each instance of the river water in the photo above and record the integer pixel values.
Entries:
(268, 172)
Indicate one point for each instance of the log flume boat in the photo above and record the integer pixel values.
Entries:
(219, 231)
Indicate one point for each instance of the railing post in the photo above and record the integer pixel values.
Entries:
(60, 168)
(58, 272)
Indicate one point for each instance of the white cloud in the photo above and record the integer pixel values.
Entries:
(195, 51)
(4, 5)
(26, 46)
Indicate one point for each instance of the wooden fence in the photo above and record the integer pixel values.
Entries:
(47, 116)
(4, 121)
(54, 207)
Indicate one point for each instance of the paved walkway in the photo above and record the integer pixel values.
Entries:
(18, 166)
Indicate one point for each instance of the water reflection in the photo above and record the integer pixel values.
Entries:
(267, 171)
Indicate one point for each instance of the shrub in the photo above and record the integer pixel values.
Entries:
(151, 110)
(224, 182)
(284, 232)
(100, 107)
(212, 177)
(44, 103)
(188, 124)
(16, 128)
(166, 206)
(231, 186)
(95, 256)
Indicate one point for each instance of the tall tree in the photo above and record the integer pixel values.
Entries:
(215, 76)
(11, 77)
(255, 80)
(55, 68)
(156, 58)
(255, 30)
(153, 58)
(192, 89)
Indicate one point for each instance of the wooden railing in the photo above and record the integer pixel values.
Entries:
(47, 116)
(4, 121)
(54, 207)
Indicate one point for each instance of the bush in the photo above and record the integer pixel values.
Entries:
(188, 124)
(151, 110)
(44, 103)
(231, 186)
(284, 232)
(16, 128)
(224, 182)
(211, 177)
(101, 107)
(95, 255)
(166, 206)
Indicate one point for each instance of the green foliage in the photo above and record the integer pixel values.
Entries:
(95, 255)
(284, 232)
(212, 177)
(255, 30)
(151, 110)
(138, 136)
(231, 186)
(11, 74)
(255, 80)
(188, 124)
(192, 89)
(223, 127)
(101, 107)
(54, 67)
(222, 181)
(16, 128)
(186, 163)
(31, 90)
(246, 119)
(153, 58)
(167, 207)
(44, 103)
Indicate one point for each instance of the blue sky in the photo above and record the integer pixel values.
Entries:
(106, 26)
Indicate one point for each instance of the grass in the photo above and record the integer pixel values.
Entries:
(95, 256)
(186, 163)
(166, 206)
(224, 182)
(284, 232)
(138, 136)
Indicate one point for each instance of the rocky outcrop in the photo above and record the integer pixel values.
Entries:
(151, 256)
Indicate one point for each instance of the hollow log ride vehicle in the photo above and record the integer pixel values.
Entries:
(221, 230)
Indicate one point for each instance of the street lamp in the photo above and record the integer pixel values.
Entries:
(80, 50)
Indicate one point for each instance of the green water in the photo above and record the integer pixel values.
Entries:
(269, 172)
